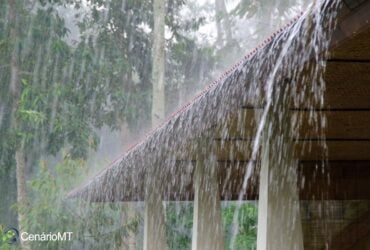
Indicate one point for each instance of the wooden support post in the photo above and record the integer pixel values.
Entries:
(154, 220)
(207, 221)
(279, 220)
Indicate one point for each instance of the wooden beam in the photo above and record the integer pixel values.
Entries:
(350, 39)
(323, 220)
(279, 217)
(353, 235)
(207, 221)
(336, 180)
(239, 149)
(154, 222)
(348, 123)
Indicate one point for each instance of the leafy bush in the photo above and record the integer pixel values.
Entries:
(94, 226)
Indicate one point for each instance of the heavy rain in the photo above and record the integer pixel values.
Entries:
(184, 124)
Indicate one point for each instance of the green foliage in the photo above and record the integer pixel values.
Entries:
(47, 211)
(246, 238)
(179, 222)
(68, 91)
(7, 239)
(95, 226)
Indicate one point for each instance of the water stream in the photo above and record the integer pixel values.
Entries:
(284, 73)
(263, 101)
(295, 80)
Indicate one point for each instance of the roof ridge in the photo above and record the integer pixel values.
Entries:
(198, 96)
(209, 86)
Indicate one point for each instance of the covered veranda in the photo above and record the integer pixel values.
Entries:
(320, 194)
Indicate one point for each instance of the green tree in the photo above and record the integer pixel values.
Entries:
(54, 95)
(52, 103)
(246, 237)
(94, 226)
(158, 62)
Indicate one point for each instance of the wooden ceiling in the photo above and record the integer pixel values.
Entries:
(347, 102)
(347, 110)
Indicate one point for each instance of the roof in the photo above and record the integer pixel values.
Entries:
(222, 107)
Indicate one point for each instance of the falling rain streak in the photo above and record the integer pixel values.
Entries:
(77, 90)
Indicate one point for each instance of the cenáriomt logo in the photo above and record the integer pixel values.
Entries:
(8, 235)
(11, 236)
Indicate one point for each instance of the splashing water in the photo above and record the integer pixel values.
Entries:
(299, 62)
(285, 73)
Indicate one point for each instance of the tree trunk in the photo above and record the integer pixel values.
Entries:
(21, 185)
(154, 222)
(222, 22)
(129, 241)
(15, 91)
(14, 86)
(158, 57)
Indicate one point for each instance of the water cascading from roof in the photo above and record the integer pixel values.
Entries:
(289, 75)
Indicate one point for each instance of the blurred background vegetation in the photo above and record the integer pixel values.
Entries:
(76, 88)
